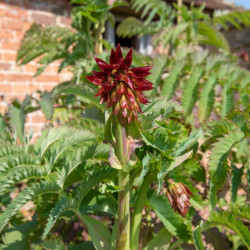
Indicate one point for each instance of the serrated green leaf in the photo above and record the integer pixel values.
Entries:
(47, 105)
(172, 221)
(17, 119)
(236, 180)
(206, 101)
(162, 239)
(170, 81)
(191, 90)
(100, 235)
(197, 238)
(78, 90)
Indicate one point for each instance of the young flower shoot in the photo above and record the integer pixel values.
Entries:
(121, 86)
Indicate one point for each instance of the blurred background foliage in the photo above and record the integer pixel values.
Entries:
(199, 86)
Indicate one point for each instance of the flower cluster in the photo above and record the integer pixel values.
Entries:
(179, 196)
(121, 86)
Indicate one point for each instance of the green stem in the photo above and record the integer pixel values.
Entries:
(136, 223)
(123, 232)
(98, 37)
(123, 223)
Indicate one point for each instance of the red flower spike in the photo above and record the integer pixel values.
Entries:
(179, 197)
(121, 87)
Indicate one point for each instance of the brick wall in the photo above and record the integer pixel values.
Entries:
(16, 17)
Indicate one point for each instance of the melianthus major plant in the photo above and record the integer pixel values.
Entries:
(148, 163)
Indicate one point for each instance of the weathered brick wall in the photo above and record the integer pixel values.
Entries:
(16, 17)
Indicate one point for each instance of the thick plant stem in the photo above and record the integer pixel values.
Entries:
(123, 229)
(123, 226)
(136, 223)
(179, 4)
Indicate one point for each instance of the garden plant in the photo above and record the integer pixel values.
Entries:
(147, 153)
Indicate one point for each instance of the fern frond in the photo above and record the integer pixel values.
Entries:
(10, 150)
(235, 18)
(21, 173)
(60, 207)
(24, 159)
(171, 80)
(209, 35)
(218, 167)
(159, 107)
(84, 93)
(75, 136)
(227, 99)
(191, 90)
(156, 72)
(92, 180)
(242, 212)
(28, 194)
(206, 101)
(67, 135)
(218, 128)
(151, 8)
(169, 35)
(221, 149)
(132, 26)
(228, 220)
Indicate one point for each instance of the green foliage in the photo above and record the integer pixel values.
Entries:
(206, 101)
(235, 18)
(47, 105)
(191, 90)
(218, 167)
(173, 222)
(228, 220)
(170, 82)
(236, 180)
(44, 41)
(66, 172)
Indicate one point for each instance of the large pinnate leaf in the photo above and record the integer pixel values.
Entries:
(47, 105)
(218, 167)
(172, 221)
(170, 82)
(206, 101)
(190, 92)
(17, 119)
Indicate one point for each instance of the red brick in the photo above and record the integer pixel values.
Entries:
(9, 56)
(12, 25)
(31, 68)
(34, 88)
(5, 88)
(26, 26)
(10, 45)
(5, 34)
(2, 13)
(66, 71)
(43, 19)
(18, 78)
(38, 119)
(65, 20)
(5, 66)
(16, 2)
(19, 35)
(48, 87)
(47, 78)
(3, 109)
(16, 13)
(19, 88)
(12, 97)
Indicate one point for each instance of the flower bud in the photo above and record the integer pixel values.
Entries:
(179, 197)
(121, 86)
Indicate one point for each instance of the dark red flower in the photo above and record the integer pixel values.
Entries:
(121, 87)
(179, 197)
